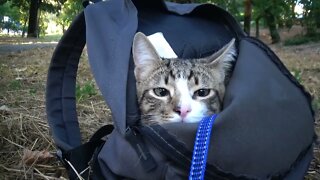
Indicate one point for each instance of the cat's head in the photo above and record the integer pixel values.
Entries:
(179, 90)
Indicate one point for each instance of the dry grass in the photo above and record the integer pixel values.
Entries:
(24, 136)
(24, 132)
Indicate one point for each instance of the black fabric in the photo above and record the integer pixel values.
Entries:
(60, 90)
(100, 133)
(282, 67)
(120, 157)
(177, 152)
(136, 140)
(174, 22)
(184, 45)
(301, 166)
(167, 144)
(80, 158)
(211, 12)
(96, 171)
(84, 157)
(266, 118)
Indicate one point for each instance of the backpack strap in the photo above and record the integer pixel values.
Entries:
(82, 160)
(79, 159)
(60, 90)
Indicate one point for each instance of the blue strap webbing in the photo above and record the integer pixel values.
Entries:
(200, 150)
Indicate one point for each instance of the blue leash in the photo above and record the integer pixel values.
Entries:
(200, 150)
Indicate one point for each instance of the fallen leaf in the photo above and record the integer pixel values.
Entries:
(40, 157)
(5, 110)
(21, 69)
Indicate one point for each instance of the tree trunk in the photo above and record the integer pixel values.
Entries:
(64, 29)
(247, 16)
(271, 22)
(38, 24)
(24, 27)
(257, 27)
(33, 18)
(317, 14)
(293, 6)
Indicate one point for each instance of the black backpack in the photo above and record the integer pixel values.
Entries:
(266, 127)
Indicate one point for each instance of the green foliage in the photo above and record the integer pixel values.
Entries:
(235, 7)
(286, 13)
(15, 85)
(14, 15)
(273, 13)
(43, 24)
(23, 6)
(50, 38)
(69, 10)
(316, 104)
(311, 15)
(17, 14)
(45, 5)
(33, 91)
(297, 74)
(296, 41)
(7, 9)
(302, 39)
(85, 91)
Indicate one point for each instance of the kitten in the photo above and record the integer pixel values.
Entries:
(179, 90)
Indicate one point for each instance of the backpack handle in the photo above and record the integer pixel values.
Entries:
(60, 89)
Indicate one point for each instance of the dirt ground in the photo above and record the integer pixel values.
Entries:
(26, 148)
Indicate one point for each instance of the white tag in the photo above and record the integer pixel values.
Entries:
(161, 45)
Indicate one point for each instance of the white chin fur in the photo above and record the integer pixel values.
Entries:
(193, 119)
(197, 114)
(188, 119)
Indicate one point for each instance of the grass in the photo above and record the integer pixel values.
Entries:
(50, 38)
(302, 39)
(85, 91)
(15, 85)
(25, 138)
(297, 74)
(5, 39)
(316, 104)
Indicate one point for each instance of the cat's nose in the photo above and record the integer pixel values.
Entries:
(183, 111)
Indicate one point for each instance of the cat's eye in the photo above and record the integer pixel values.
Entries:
(161, 92)
(202, 92)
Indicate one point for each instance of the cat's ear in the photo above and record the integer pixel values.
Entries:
(144, 55)
(224, 56)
